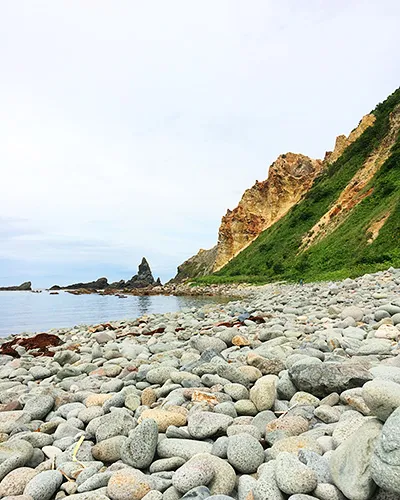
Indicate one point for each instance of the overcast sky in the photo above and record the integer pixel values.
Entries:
(128, 127)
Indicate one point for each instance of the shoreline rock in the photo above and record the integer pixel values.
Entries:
(24, 287)
(144, 279)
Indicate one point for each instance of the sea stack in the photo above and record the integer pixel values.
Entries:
(144, 277)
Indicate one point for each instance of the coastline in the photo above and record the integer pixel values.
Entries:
(285, 376)
(180, 289)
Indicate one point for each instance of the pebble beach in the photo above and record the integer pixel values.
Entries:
(288, 393)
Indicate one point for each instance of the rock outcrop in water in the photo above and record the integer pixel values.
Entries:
(143, 279)
(99, 284)
(24, 287)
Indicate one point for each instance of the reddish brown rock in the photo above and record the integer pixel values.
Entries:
(40, 343)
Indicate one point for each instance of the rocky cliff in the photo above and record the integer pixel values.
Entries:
(201, 264)
(290, 180)
(347, 223)
(289, 177)
(343, 142)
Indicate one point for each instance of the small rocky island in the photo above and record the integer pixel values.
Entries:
(144, 281)
(24, 287)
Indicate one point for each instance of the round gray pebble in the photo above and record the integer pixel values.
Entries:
(245, 453)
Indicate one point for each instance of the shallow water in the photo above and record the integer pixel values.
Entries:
(35, 312)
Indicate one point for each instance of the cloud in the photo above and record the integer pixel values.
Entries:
(128, 128)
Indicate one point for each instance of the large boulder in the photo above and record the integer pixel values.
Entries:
(382, 397)
(321, 379)
(350, 462)
(385, 462)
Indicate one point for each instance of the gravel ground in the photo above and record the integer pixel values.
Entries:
(292, 392)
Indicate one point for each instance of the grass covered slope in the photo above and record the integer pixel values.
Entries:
(367, 238)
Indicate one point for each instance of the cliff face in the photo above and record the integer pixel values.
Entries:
(343, 142)
(289, 180)
(357, 189)
(290, 176)
(347, 223)
(200, 264)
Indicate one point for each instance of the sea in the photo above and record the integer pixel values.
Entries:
(39, 312)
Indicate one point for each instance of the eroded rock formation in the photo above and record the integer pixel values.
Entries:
(356, 190)
(143, 279)
(343, 142)
(289, 177)
(200, 264)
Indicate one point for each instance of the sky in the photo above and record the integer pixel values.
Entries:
(128, 128)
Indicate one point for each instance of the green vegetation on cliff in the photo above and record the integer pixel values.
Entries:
(351, 248)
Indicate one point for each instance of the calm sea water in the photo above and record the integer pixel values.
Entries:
(36, 312)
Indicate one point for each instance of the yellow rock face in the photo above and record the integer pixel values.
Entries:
(289, 178)
(342, 142)
(261, 206)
